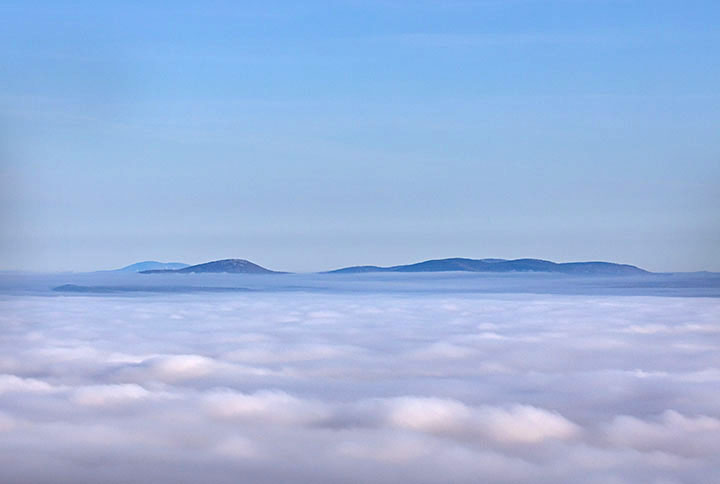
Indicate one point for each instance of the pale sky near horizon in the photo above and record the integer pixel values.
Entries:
(308, 136)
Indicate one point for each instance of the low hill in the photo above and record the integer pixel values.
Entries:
(502, 265)
(231, 266)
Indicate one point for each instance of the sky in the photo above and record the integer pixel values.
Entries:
(329, 387)
(312, 135)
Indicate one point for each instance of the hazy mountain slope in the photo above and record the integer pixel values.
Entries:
(149, 265)
(232, 266)
(501, 265)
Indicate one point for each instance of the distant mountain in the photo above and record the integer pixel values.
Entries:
(232, 266)
(150, 265)
(503, 265)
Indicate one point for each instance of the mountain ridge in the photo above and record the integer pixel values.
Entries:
(454, 264)
(501, 265)
(229, 266)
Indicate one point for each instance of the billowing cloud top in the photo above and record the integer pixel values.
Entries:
(335, 386)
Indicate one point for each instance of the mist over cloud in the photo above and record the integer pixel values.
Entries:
(311, 386)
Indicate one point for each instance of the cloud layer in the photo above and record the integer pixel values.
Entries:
(338, 387)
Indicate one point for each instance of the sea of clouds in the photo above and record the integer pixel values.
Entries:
(369, 386)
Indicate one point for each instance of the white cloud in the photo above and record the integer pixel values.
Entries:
(293, 386)
(525, 424)
(110, 395)
(12, 384)
(265, 406)
(442, 350)
(434, 415)
(179, 367)
(514, 424)
(671, 432)
(278, 353)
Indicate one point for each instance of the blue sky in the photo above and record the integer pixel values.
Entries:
(307, 136)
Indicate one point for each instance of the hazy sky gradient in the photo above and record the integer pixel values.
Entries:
(308, 136)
